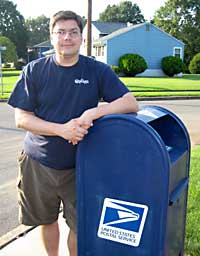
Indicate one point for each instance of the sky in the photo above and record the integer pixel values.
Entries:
(35, 8)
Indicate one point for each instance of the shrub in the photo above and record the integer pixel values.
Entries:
(172, 65)
(6, 65)
(194, 65)
(132, 64)
(115, 69)
(20, 64)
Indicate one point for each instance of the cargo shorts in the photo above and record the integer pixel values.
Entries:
(42, 191)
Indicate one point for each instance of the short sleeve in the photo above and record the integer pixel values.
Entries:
(111, 87)
(24, 93)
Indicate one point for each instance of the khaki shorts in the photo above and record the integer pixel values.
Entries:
(41, 190)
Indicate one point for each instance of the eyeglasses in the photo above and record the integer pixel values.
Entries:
(72, 34)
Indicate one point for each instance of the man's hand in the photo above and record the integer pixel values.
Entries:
(78, 128)
(73, 131)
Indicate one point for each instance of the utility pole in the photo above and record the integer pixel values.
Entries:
(89, 29)
(2, 48)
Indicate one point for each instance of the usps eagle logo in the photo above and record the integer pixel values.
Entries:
(122, 221)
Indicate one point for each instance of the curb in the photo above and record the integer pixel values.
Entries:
(153, 98)
(14, 234)
(168, 98)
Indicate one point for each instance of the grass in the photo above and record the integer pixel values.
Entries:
(9, 79)
(188, 85)
(192, 241)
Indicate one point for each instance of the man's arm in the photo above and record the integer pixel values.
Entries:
(71, 130)
(126, 104)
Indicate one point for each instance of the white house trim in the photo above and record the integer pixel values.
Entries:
(178, 48)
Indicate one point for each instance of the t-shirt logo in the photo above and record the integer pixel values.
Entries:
(81, 81)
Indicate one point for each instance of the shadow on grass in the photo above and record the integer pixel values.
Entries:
(136, 88)
(10, 74)
(191, 77)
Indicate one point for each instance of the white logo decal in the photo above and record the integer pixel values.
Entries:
(81, 81)
(122, 221)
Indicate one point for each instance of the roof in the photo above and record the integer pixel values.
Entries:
(119, 32)
(126, 29)
(43, 44)
(108, 27)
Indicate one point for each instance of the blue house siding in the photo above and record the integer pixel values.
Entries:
(153, 45)
(144, 39)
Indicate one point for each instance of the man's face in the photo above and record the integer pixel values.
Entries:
(66, 38)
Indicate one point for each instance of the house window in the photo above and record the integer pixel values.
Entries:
(95, 51)
(99, 51)
(177, 52)
(102, 50)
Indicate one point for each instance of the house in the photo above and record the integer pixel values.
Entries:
(144, 39)
(110, 40)
(100, 29)
(38, 50)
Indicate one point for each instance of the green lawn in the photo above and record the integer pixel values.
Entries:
(188, 85)
(192, 241)
(9, 79)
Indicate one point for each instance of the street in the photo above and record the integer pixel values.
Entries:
(188, 111)
(11, 144)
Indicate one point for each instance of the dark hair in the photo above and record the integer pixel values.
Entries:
(65, 15)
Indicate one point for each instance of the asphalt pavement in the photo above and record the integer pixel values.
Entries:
(10, 144)
(187, 110)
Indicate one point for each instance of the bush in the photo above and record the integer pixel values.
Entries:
(172, 65)
(115, 69)
(194, 65)
(132, 64)
(6, 65)
(20, 64)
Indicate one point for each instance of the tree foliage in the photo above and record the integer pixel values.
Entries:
(124, 12)
(9, 55)
(181, 19)
(194, 66)
(12, 25)
(38, 29)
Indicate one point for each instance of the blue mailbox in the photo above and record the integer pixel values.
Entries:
(132, 183)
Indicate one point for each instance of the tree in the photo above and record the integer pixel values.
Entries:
(181, 19)
(38, 29)
(12, 25)
(194, 66)
(124, 12)
(9, 55)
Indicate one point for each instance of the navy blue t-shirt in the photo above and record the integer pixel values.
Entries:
(58, 94)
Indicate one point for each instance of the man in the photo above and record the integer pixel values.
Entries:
(56, 101)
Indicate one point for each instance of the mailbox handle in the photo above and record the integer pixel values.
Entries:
(175, 195)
